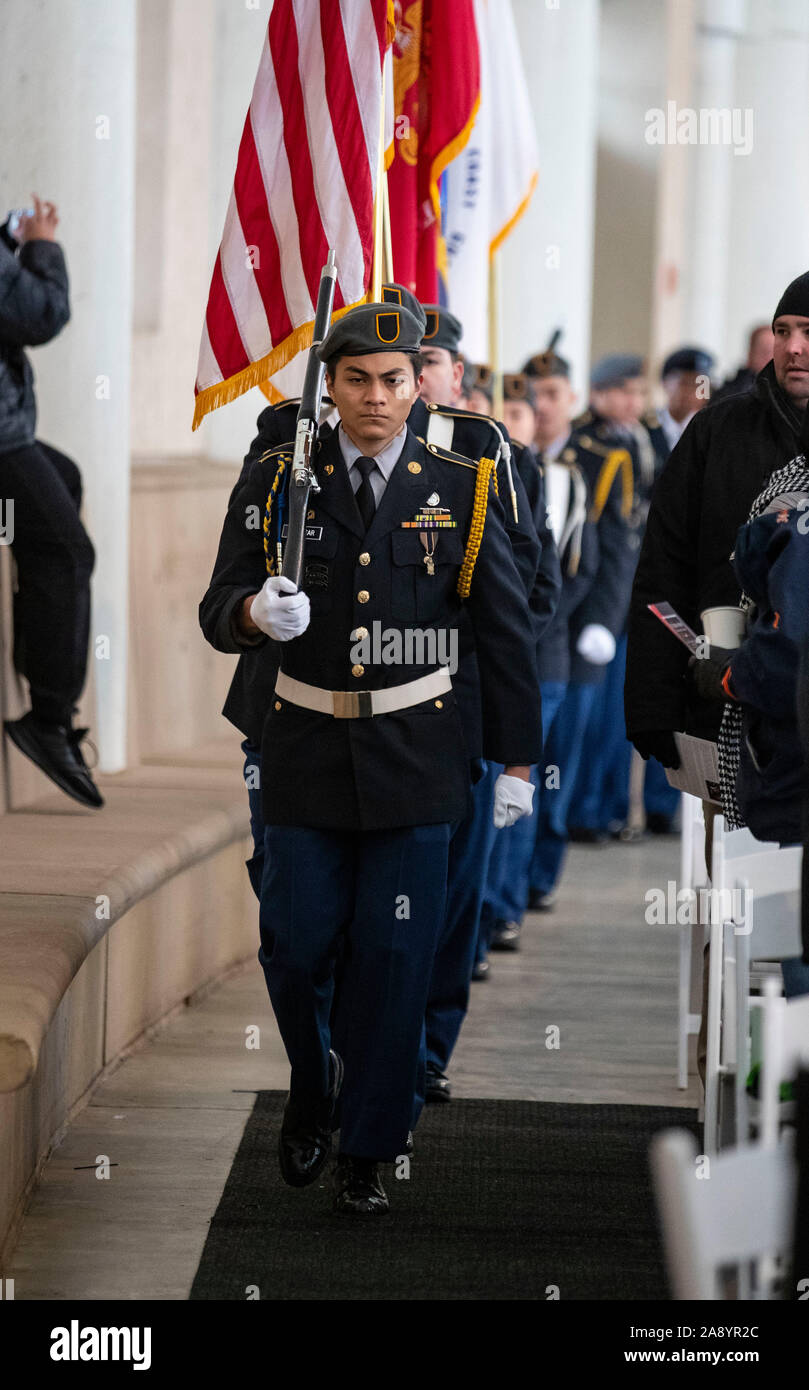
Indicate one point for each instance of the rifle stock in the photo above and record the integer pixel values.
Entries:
(303, 481)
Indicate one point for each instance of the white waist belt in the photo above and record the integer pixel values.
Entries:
(361, 704)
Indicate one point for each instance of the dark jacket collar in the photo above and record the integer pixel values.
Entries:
(787, 418)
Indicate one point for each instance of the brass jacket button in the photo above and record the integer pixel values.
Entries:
(363, 596)
(365, 558)
(358, 670)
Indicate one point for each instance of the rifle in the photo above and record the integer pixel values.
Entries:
(303, 480)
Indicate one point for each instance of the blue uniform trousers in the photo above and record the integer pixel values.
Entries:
(469, 851)
(563, 749)
(507, 885)
(384, 892)
(601, 799)
(252, 781)
(601, 794)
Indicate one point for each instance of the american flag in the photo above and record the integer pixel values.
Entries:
(305, 181)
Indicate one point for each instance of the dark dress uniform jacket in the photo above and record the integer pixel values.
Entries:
(703, 495)
(610, 501)
(410, 767)
(253, 683)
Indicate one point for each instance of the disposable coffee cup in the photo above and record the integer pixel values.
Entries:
(724, 627)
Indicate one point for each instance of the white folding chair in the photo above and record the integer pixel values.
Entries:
(693, 876)
(784, 1048)
(735, 1208)
(764, 881)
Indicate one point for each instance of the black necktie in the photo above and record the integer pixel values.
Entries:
(365, 493)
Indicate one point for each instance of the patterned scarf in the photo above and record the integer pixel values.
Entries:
(792, 478)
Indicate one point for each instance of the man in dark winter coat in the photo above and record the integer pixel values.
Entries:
(702, 497)
(41, 491)
(700, 500)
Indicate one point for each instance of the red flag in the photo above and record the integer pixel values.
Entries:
(305, 181)
(436, 84)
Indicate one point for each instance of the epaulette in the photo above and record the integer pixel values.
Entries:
(448, 454)
(651, 420)
(586, 418)
(279, 449)
(595, 446)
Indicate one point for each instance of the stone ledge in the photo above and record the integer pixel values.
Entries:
(68, 874)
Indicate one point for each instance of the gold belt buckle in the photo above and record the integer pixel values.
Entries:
(352, 704)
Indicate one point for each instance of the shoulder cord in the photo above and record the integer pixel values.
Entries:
(269, 558)
(485, 469)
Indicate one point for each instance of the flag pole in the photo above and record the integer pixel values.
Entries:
(494, 335)
(496, 363)
(379, 202)
(388, 272)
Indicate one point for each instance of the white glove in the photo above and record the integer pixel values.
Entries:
(596, 644)
(280, 610)
(512, 798)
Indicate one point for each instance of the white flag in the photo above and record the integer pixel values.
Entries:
(489, 184)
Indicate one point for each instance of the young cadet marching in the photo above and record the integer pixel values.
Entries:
(251, 689)
(593, 624)
(437, 418)
(364, 766)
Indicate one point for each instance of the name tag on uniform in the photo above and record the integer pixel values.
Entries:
(313, 533)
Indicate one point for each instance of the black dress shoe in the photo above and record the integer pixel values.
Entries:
(541, 902)
(304, 1143)
(436, 1086)
(55, 748)
(480, 970)
(585, 835)
(505, 936)
(359, 1190)
(659, 824)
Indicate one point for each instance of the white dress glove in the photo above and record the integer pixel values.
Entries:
(512, 798)
(280, 610)
(596, 644)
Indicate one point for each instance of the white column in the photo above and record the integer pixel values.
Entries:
(671, 249)
(547, 261)
(720, 25)
(768, 244)
(68, 97)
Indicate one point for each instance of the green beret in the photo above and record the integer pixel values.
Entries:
(397, 294)
(443, 329)
(371, 328)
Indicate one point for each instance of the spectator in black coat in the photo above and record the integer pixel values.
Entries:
(700, 500)
(703, 495)
(41, 491)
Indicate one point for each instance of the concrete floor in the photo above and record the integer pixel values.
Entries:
(169, 1120)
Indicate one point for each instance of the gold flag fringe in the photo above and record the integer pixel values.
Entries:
(259, 373)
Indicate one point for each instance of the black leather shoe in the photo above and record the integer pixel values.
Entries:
(304, 1143)
(436, 1087)
(505, 936)
(541, 902)
(584, 835)
(408, 1148)
(659, 824)
(55, 749)
(359, 1190)
(480, 970)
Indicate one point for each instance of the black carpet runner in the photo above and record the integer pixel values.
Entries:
(504, 1200)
